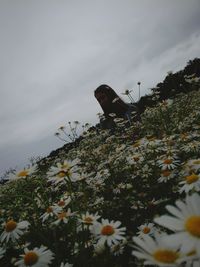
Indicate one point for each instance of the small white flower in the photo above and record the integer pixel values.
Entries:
(146, 229)
(38, 257)
(64, 216)
(13, 230)
(118, 188)
(50, 212)
(166, 103)
(192, 182)
(88, 220)
(24, 173)
(64, 171)
(108, 232)
(135, 159)
(64, 166)
(118, 248)
(168, 163)
(166, 175)
(63, 202)
(192, 165)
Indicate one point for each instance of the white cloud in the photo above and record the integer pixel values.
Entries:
(54, 54)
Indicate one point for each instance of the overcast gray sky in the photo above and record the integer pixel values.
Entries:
(55, 53)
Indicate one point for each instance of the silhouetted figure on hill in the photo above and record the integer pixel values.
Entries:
(110, 102)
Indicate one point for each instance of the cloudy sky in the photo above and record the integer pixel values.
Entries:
(55, 53)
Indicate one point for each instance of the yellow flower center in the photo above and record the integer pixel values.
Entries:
(61, 203)
(192, 225)
(166, 173)
(136, 158)
(107, 230)
(168, 161)
(146, 230)
(22, 173)
(30, 258)
(62, 215)
(191, 178)
(10, 226)
(166, 256)
(61, 174)
(88, 220)
(49, 209)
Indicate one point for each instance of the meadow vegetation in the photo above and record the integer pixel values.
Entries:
(129, 198)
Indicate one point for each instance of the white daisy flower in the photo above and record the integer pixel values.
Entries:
(64, 171)
(192, 182)
(64, 166)
(145, 171)
(166, 175)
(185, 223)
(168, 163)
(64, 216)
(156, 252)
(96, 184)
(97, 202)
(63, 202)
(38, 257)
(108, 232)
(62, 177)
(50, 212)
(13, 230)
(88, 220)
(146, 229)
(24, 173)
(193, 147)
(135, 159)
(138, 143)
(119, 188)
(117, 249)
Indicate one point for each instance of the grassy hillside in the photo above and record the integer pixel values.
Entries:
(114, 200)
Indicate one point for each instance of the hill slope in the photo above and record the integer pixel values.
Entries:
(100, 203)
